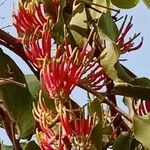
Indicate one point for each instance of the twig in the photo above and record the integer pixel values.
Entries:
(91, 3)
(3, 2)
(6, 27)
(10, 80)
(6, 122)
(95, 9)
(89, 17)
(16, 144)
(102, 99)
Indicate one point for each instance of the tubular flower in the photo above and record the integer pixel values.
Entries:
(28, 19)
(141, 107)
(47, 137)
(65, 70)
(95, 76)
(39, 51)
(127, 46)
(42, 114)
(78, 131)
(49, 140)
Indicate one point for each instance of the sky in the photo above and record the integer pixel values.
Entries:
(138, 61)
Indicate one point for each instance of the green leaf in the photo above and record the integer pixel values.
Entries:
(125, 3)
(34, 88)
(16, 98)
(95, 107)
(32, 146)
(33, 85)
(108, 26)
(107, 130)
(128, 102)
(123, 141)
(109, 60)
(141, 126)
(138, 88)
(96, 137)
(147, 3)
(58, 29)
(78, 25)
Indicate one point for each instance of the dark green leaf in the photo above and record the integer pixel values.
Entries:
(96, 136)
(138, 88)
(108, 26)
(141, 126)
(125, 3)
(107, 130)
(33, 85)
(32, 146)
(34, 88)
(123, 141)
(58, 30)
(17, 99)
(95, 107)
(147, 3)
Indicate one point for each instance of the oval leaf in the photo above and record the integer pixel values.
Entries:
(124, 141)
(141, 126)
(125, 3)
(34, 88)
(32, 146)
(108, 26)
(95, 107)
(138, 88)
(109, 60)
(17, 99)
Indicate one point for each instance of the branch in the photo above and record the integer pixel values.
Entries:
(102, 99)
(16, 46)
(118, 120)
(10, 129)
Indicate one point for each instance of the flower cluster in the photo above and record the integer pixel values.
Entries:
(68, 132)
(39, 51)
(60, 72)
(127, 46)
(29, 18)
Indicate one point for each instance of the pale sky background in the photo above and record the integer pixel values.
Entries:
(138, 61)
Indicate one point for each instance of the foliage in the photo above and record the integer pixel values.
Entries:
(70, 44)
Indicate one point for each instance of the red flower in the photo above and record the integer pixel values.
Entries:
(78, 130)
(27, 20)
(65, 70)
(128, 45)
(141, 107)
(84, 127)
(95, 76)
(39, 51)
(47, 137)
